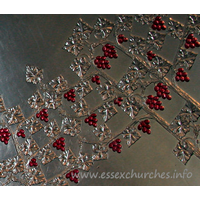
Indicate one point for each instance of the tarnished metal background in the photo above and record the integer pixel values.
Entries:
(40, 40)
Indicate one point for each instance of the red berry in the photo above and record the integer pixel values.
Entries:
(75, 180)
(125, 39)
(187, 45)
(23, 135)
(161, 22)
(146, 121)
(149, 53)
(156, 107)
(90, 123)
(118, 140)
(163, 27)
(143, 124)
(30, 164)
(148, 101)
(97, 77)
(197, 44)
(38, 115)
(119, 150)
(159, 27)
(188, 40)
(154, 26)
(104, 48)
(161, 107)
(19, 134)
(159, 94)
(95, 120)
(150, 97)
(96, 61)
(72, 90)
(139, 127)
(35, 164)
(164, 96)
(58, 147)
(114, 148)
(45, 110)
(62, 148)
(116, 101)
(160, 84)
(190, 36)
(148, 126)
(21, 131)
(65, 95)
(167, 92)
(46, 119)
(73, 99)
(98, 82)
(184, 74)
(169, 97)
(151, 106)
(54, 144)
(6, 142)
(182, 78)
(158, 102)
(177, 78)
(180, 69)
(62, 139)
(119, 103)
(68, 175)
(158, 18)
(164, 87)
(94, 124)
(71, 178)
(156, 22)
(120, 40)
(150, 58)
(148, 131)
(111, 145)
(33, 160)
(119, 146)
(187, 79)
(192, 45)
(144, 129)
(156, 98)
(93, 79)
(120, 36)
(42, 118)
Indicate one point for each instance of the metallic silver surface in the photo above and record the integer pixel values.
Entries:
(44, 56)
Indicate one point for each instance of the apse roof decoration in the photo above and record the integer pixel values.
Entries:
(125, 94)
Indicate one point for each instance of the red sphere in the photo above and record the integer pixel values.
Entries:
(177, 78)
(163, 27)
(154, 26)
(118, 140)
(187, 45)
(187, 79)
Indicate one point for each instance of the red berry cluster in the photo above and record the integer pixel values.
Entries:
(33, 163)
(162, 91)
(101, 62)
(145, 126)
(158, 24)
(92, 120)
(150, 55)
(21, 133)
(70, 95)
(153, 102)
(60, 144)
(181, 75)
(43, 115)
(4, 135)
(191, 42)
(73, 175)
(121, 38)
(118, 101)
(109, 51)
(96, 79)
(116, 146)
